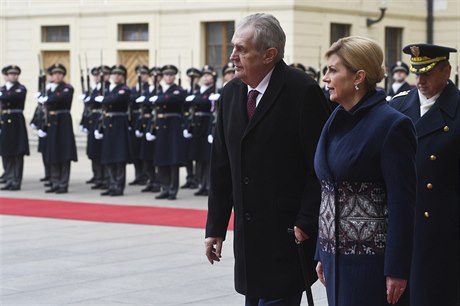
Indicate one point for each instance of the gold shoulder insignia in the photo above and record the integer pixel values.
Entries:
(401, 94)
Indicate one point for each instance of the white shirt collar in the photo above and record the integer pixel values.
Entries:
(262, 87)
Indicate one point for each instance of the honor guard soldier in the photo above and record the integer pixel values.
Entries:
(114, 131)
(14, 143)
(134, 117)
(399, 71)
(147, 128)
(228, 73)
(169, 146)
(101, 76)
(434, 109)
(60, 139)
(201, 119)
(194, 76)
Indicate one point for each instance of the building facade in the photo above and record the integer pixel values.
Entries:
(82, 34)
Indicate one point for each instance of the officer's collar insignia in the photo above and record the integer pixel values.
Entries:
(121, 91)
(176, 92)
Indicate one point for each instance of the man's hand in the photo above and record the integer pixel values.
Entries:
(300, 235)
(213, 247)
(395, 288)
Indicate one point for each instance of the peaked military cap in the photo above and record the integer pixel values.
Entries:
(298, 66)
(193, 73)
(11, 69)
(311, 72)
(229, 67)
(400, 66)
(120, 69)
(95, 71)
(57, 68)
(209, 70)
(155, 71)
(105, 69)
(169, 69)
(142, 69)
(425, 56)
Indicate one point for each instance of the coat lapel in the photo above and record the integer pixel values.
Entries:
(434, 120)
(270, 96)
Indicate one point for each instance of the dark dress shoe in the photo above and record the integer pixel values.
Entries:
(156, 189)
(2, 181)
(202, 192)
(44, 179)
(172, 197)
(15, 187)
(6, 187)
(116, 193)
(135, 182)
(193, 186)
(97, 186)
(90, 181)
(108, 192)
(51, 190)
(61, 190)
(147, 188)
(163, 195)
(47, 184)
(185, 186)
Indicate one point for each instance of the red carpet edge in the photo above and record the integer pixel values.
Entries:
(146, 215)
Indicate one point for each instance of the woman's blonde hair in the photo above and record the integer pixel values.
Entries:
(360, 53)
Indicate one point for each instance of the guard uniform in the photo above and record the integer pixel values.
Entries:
(398, 87)
(435, 266)
(134, 116)
(60, 140)
(169, 146)
(14, 143)
(147, 125)
(116, 151)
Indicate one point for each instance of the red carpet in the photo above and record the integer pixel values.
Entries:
(181, 217)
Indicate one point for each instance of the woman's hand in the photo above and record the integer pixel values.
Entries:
(320, 273)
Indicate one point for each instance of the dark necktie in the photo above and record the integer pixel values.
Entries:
(251, 105)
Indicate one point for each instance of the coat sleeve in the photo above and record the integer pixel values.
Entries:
(399, 171)
(314, 113)
(220, 200)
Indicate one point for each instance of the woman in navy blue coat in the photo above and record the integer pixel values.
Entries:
(365, 161)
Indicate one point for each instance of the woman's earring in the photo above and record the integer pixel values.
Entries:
(356, 87)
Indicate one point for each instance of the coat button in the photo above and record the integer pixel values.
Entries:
(9, 120)
(446, 129)
(433, 157)
(246, 180)
(247, 216)
(426, 214)
(429, 186)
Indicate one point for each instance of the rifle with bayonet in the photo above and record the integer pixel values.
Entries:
(101, 79)
(43, 118)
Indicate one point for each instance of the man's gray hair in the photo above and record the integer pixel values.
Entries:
(267, 32)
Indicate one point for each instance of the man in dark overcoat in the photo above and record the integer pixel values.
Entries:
(60, 140)
(262, 166)
(434, 107)
(14, 142)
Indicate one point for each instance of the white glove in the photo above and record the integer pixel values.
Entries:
(1, 93)
(87, 99)
(98, 135)
(81, 128)
(34, 127)
(190, 98)
(388, 98)
(38, 94)
(186, 134)
(99, 99)
(214, 97)
(82, 97)
(210, 138)
(153, 99)
(41, 133)
(42, 100)
(140, 99)
(138, 134)
(149, 136)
